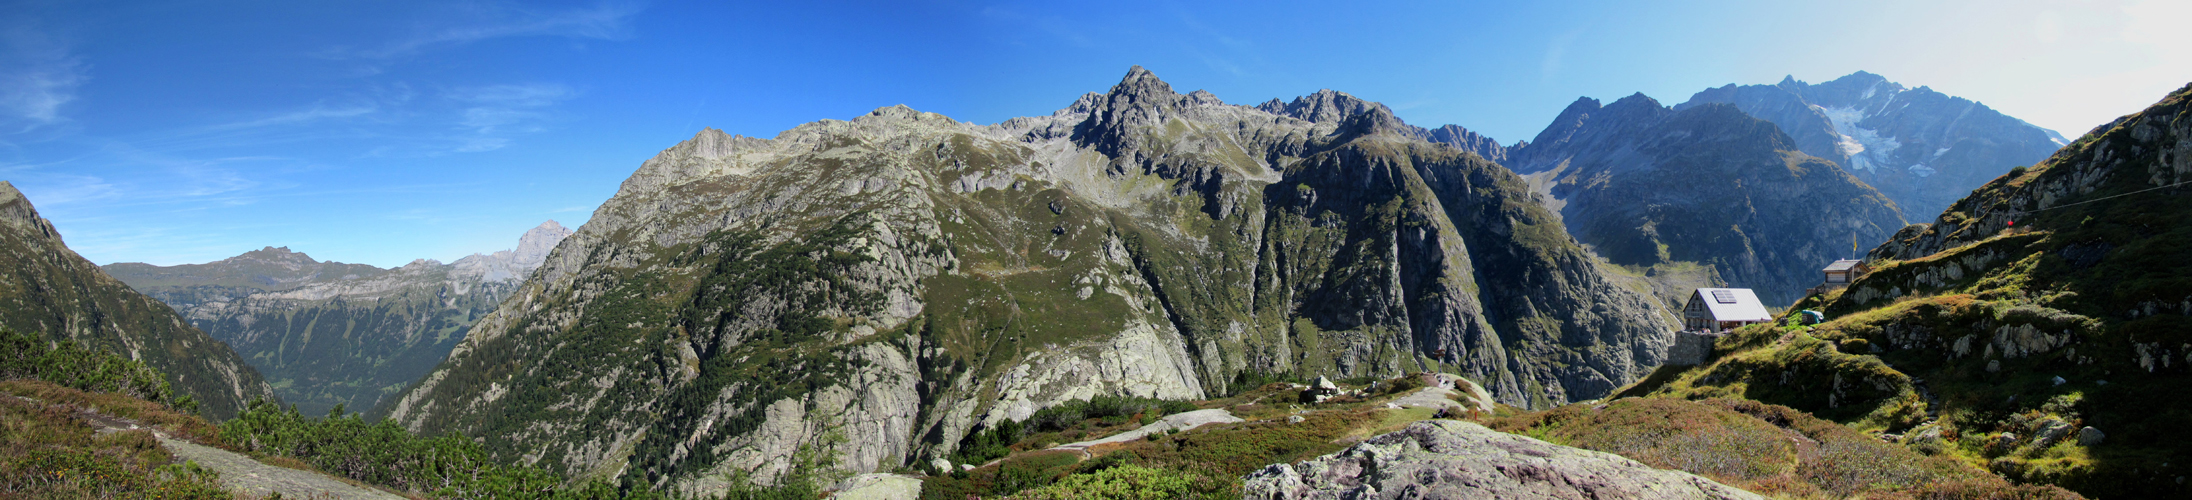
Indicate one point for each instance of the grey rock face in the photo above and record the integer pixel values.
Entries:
(1453, 459)
(1328, 106)
(878, 487)
(1660, 189)
(514, 264)
(903, 279)
(1921, 148)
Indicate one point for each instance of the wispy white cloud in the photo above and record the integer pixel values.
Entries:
(1060, 28)
(473, 22)
(281, 126)
(38, 75)
(318, 111)
(493, 113)
(1555, 54)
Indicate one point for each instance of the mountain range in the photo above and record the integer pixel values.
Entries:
(907, 279)
(889, 290)
(1919, 147)
(330, 333)
(2035, 326)
(1702, 196)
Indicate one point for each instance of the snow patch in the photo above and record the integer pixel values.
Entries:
(1938, 152)
(1866, 148)
(1921, 170)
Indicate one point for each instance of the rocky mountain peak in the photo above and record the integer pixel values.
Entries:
(1139, 102)
(16, 210)
(1140, 83)
(514, 264)
(533, 248)
(1324, 106)
(1471, 141)
(1566, 124)
(272, 255)
(1920, 147)
(1725, 124)
(1636, 103)
(1375, 119)
(712, 143)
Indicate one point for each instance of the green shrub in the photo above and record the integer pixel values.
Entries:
(25, 355)
(989, 444)
(1115, 409)
(1128, 482)
(47, 452)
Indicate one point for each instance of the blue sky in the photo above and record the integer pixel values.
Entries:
(380, 132)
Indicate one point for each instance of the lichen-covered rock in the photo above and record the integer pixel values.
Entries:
(1454, 459)
(878, 487)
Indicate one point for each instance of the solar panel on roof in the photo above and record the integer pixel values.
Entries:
(1723, 296)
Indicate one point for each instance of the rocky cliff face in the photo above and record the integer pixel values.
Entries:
(48, 289)
(902, 279)
(1333, 106)
(1701, 196)
(1921, 148)
(329, 333)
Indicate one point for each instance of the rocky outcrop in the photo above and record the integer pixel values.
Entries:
(1329, 106)
(902, 279)
(330, 333)
(878, 487)
(2070, 275)
(1454, 459)
(47, 289)
(1701, 196)
(1921, 148)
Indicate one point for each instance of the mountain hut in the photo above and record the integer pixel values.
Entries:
(1719, 309)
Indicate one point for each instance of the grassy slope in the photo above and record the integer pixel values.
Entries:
(1769, 449)
(1764, 448)
(48, 451)
(2091, 293)
(48, 289)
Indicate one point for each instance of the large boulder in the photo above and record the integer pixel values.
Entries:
(878, 487)
(1454, 459)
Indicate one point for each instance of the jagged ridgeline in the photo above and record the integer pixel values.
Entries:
(1700, 197)
(330, 333)
(902, 279)
(1919, 147)
(2038, 325)
(48, 290)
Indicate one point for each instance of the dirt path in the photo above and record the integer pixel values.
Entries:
(1182, 421)
(241, 474)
